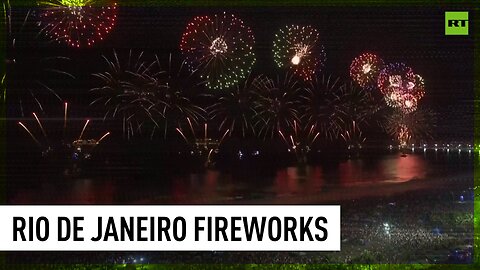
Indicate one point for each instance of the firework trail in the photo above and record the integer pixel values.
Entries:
(48, 143)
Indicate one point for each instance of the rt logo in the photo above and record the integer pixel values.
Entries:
(456, 23)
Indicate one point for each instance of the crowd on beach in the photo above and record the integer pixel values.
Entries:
(415, 227)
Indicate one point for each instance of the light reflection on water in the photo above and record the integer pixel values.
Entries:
(409, 167)
(393, 170)
(340, 180)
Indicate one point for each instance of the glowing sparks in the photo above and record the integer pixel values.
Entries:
(77, 23)
(408, 103)
(220, 47)
(74, 3)
(366, 68)
(418, 86)
(395, 81)
(298, 49)
(301, 51)
(403, 136)
(296, 60)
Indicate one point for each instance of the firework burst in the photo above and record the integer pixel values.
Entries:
(146, 96)
(276, 104)
(356, 107)
(323, 107)
(127, 91)
(177, 85)
(365, 69)
(220, 47)
(406, 99)
(396, 77)
(401, 87)
(408, 103)
(235, 109)
(416, 125)
(357, 104)
(77, 23)
(298, 48)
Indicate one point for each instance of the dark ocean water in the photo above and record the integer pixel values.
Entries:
(324, 181)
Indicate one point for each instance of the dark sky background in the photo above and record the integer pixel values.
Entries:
(413, 35)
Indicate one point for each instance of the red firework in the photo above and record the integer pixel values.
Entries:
(408, 103)
(220, 47)
(395, 77)
(401, 87)
(365, 69)
(77, 23)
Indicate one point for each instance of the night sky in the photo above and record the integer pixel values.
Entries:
(414, 36)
